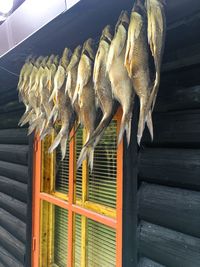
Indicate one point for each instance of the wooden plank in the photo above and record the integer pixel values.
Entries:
(14, 153)
(14, 171)
(175, 129)
(174, 208)
(14, 136)
(178, 98)
(179, 167)
(10, 119)
(13, 188)
(145, 262)
(11, 244)
(168, 247)
(13, 225)
(13, 206)
(8, 260)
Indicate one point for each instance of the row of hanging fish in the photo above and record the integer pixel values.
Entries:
(73, 89)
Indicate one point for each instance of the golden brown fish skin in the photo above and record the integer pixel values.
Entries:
(67, 116)
(102, 86)
(85, 67)
(28, 82)
(63, 105)
(72, 70)
(44, 92)
(86, 98)
(156, 38)
(137, 63)
(35, 99)
(122, 88)
(60, 76)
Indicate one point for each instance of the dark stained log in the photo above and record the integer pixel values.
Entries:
(14, 136)
(178, 98)
(14, 171)
(173, 208)
(29, 203)
(8, 260)
(168, 247)
(13, 225)
(175, 128)
(11, 244)
(145, 262)
(130, 184)
(13, 206)
(178, 167)
(13, 188)
(8, 96)
(14, 153)
(10, 119)
(12, 105)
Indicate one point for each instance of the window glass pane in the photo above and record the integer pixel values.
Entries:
(62, 171)
(101, 245)
(102, 180)
(77, 242)
(79, 144)
(60, 237)
(54, 236)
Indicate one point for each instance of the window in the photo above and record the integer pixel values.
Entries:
(78, 214)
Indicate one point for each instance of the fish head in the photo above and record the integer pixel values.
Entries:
(64, 61)
(38, 61)
(56, 60)
(107, 34)
(50, 61)
(77, 51)
(122, 20)
(89, 48)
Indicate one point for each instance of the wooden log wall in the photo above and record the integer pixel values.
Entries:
(15, 185)
(169, 175)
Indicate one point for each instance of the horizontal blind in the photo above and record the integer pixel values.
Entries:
(60, 237)
(79, 145)
(101, 248)
(77, 241)
(62, 171)
(102, 180)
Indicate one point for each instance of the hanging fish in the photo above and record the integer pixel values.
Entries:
(137, 63)
(35, 100)
(28, 82)
(122, 88)
(86, 96)
(63, 105)
(72, 70)
(102, 86)
(156, 37)
(45, 93)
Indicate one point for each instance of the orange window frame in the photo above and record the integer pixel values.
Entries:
(74, 208)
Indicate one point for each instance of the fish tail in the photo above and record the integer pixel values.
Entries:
(26, 118)
(125, 126)
(141, 123)
(23, 117)
(41, 127)
(150, 124)
(63, 146)
(82, 157)
(91, 157)
(99, 130)
(32, 127)
(56, 142)
(54, 114)
(86, 152)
